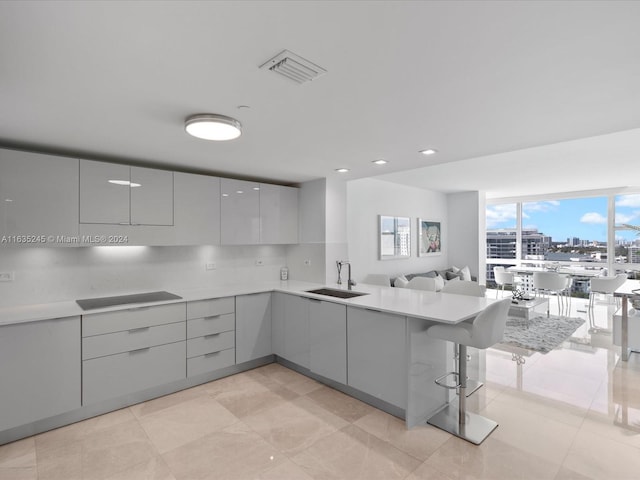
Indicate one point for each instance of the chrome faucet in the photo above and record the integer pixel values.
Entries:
(340, 264)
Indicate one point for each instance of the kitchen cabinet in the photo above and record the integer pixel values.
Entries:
(210, 335)
(377, 358)
(38, 199)
(291, 328)
(258, 213)
(196, 209)
(328, 340)
(253, 326)
(39, 370)
(239, 212)
(132, 350)
(122, 195)
(278, 214)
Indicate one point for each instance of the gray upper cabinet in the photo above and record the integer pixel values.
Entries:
(278, 214)
(39, 196)
(239, 212)
(197, 209)
(122, 195)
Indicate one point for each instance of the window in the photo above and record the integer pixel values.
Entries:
(627, 229)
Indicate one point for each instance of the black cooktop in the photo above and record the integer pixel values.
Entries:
(102, 302)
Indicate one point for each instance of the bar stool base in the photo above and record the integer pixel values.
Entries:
(475, 430)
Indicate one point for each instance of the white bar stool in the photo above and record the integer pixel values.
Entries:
(486, 330)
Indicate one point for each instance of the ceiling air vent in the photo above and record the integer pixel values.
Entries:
(293, 67)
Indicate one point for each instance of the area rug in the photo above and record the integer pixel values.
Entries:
(542, 335)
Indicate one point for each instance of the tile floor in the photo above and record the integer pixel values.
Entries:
(571, 414)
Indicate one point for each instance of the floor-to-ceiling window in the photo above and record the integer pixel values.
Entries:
(592, 232)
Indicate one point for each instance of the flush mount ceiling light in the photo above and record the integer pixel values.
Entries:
(428, 151)
(209, 126)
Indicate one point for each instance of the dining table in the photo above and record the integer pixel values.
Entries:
(629, 290)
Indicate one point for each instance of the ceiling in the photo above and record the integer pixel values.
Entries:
(484, 83)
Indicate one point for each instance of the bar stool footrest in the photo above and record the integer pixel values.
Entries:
(475, 429)
(441, 381)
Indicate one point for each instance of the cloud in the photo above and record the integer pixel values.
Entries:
(593, 217)
(629, 200)
(501, 214)
(540, 206)
(625, 218)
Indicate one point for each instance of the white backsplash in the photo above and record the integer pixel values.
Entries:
(43, 275)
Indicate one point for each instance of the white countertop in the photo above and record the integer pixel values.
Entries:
(445, 308)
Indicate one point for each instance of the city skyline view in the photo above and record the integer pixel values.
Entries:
(584, 218)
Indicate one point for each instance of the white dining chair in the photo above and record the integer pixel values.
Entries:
(462, 287)
(548, 283)
(422, 283)
(605, 286)
(502, 278)
(378, 279)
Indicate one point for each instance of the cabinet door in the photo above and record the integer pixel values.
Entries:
(328, 338)
(377, 356)
(290, 328)
(240, 212)
(278, 214)
(104, 192)
(151, 196)
(196, 209)
(253, 326)
(39, 370)
(38, 195)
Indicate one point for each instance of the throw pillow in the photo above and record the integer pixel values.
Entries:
(439, 283)
(400, 282)
(452, 275)
(466, 274)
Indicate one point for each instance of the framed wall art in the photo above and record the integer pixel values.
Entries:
(429, 238)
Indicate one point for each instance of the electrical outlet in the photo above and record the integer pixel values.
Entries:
(210, 266)
(259, 263)
(307, 263)
(6, 276)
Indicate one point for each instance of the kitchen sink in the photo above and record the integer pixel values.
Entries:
(333, 292)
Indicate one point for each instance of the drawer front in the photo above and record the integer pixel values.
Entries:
(109, 322)
(211, 362)
(124, 373)
(200, 327)
(120, 342)
(209, 308)
(210, 343)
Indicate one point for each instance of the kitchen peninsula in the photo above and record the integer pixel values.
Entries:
(60, 364)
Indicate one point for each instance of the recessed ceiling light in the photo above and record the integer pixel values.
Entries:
(428, 151)
(342, 170)
(208, 126)
(256, 188)
(240, 192)
(379, 162)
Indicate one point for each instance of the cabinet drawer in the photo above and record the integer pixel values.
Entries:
(108, 322)
(211, 362)
(209, 325)
(210, 343)
(119, 342)
(124, 373)
(208, 308)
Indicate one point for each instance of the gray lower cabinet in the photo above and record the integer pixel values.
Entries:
(328, 339)
(253, 326)
(132, 350)
(211, 326)
(377, 356)
(290, 328)
(39, 370)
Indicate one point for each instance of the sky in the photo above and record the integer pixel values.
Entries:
(585, 218)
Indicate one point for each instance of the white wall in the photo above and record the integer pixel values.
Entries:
(366, 199)
(467, 237)
(44, 275)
